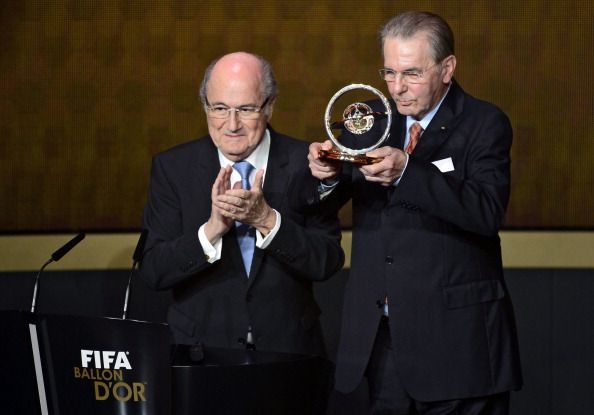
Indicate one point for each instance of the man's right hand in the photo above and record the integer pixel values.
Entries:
(322, 169)
(217, 224)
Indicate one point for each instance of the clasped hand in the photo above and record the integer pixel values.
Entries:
(237, 204)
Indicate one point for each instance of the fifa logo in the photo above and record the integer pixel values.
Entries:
(105, 359)
(106, 369)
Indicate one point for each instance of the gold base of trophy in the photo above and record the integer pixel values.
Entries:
(361, 159)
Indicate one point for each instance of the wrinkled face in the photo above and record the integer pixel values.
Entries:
(236, 137)
(413, 54)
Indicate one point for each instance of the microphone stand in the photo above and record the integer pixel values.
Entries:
(136, 258)
(56, 256)
(134, 265)
(49, 261)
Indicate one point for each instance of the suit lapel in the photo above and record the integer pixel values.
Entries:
(200, 176)
(277, 176)
(439, 128)
(275, 187)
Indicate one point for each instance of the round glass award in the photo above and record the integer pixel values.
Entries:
(360, 121)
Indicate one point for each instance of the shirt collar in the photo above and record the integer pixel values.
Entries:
(429, 116)
(258, 158)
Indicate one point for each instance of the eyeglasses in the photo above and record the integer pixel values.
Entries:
(412, 76)
(245, 112)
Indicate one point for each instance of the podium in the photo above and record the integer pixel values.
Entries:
(18, 386)
(230, 381)
(70, 365)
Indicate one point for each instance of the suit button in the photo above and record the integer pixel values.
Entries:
(389, 260)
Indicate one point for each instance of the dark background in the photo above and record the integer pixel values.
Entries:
(90, 90)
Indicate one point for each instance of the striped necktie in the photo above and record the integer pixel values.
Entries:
(415, 132)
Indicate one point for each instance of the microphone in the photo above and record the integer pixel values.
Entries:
(136, 258)
(56, 256)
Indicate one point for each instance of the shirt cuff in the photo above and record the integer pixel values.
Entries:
(263, 241)
(325, 189)
(402, 174)
(212, 252)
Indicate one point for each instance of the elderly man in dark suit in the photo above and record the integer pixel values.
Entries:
(427, 315)
(227, 232)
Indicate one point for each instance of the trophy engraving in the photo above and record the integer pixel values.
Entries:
(358, 118)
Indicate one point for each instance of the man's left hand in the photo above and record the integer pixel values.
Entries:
(386, 171)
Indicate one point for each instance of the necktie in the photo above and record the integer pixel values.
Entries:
(246, 235)
(415, 131)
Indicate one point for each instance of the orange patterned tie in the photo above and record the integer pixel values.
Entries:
(415, 131)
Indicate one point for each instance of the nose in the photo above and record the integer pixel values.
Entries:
(398, 86)
(233, 121)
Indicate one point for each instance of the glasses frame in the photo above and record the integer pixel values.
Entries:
(238, 111)
(403, 74)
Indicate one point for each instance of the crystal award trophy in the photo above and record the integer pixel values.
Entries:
(360, 120)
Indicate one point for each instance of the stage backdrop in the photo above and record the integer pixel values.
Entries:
(90, 90)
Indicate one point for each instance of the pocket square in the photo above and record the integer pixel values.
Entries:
(444, 165)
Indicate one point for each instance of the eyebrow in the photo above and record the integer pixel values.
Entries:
(414, 68)
(228, 106)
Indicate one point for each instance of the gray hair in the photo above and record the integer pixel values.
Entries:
(408, 24)
(269, 86)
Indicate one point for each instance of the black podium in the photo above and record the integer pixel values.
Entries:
(229, 381)
(72, 365)
(18, 385)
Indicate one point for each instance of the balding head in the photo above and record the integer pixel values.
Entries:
(241, 66)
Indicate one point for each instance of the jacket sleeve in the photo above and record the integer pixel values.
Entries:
(308, 240)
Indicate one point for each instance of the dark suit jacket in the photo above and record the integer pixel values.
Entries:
(215, 303)
(431, 245)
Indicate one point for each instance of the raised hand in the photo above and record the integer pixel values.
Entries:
(218, 223)
(248, 206)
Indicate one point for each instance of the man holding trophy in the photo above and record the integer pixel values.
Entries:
(427, 315)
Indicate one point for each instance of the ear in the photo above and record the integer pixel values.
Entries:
(449, 66)
(270, 108)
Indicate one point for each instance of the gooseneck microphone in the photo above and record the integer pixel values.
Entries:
(136, 258)
(56, 256)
